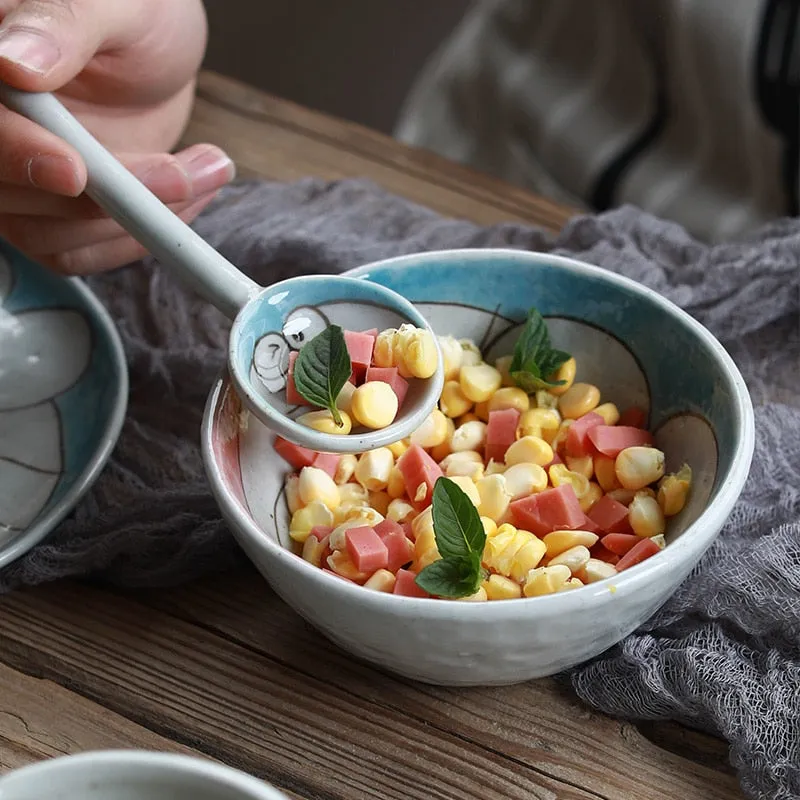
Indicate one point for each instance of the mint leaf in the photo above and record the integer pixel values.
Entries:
(534, 358)
(460, 539)
(322, 368)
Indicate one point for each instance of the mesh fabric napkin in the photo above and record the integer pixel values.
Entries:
(723, 654)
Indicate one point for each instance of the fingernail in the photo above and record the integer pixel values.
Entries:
(56, 174)
(208, 167)
(29, 50)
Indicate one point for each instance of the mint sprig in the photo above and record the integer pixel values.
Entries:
(322, 368)
(534, 357)
(460, 539)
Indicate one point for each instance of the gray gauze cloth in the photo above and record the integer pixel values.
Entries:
(722, 655)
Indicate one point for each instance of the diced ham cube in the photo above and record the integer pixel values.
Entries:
(611, 440)
(619, 543)
(400, 547)
(603, 553)
(297, 456)
(366, 549)
(419, 470)
(591, 526)
(405, 584)
(388, 526)
(550, 510)
(501, 432)
(642, 550)
(373, 332)
(578, 444)
(389, 375)
(327, 462)
(359, 348)
(319, 532)
(293, 397)
(610, 515)
(633, 417)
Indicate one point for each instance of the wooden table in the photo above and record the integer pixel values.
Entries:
(225, 669)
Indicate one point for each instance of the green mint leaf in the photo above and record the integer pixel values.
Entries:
(534, 358)
(451, 577)
(457, 527)
(322, 368)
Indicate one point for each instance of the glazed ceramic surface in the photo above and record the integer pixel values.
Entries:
(132, 775)
(63, 394)
(635, 346)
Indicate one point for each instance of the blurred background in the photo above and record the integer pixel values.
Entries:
(354, 59)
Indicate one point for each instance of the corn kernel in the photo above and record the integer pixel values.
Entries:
(453, 401)
(432, 432)
(344, 399)
(420, 354)
(636, 467)
(383, 350)
(481, 411)
(424, 560)
(323, 421)
(572, 583)
(673, 491)
(541, 422)
(545, 399)
(498, 587)
(478, 597)
(380, 501)
(470, 353)
(493, 496)
(512, 552)
(545, 580)
(494, 468)
(524, 479)
(479, 382)
(558, 542)
(400, 511)
(510, 397)
(574, 558)
(609, 412)
(452, 355)
(345, 468)
(339, 561)
(606, 473)
(529, 450)
(396, 485)
(560, 474)
(659, 540)
(624, 496)
(422, 524)
(645, 516)
(560, 439)
(381, 581)
(579, 399)
(316, 484)
(444, 449)
(583, 465)
(592, 495)
(373, 469)
(467, 486)
(468, 417)
(308, 517)
(374, 405)
(489, 526)
(470, 436)
(503, 366)
(291, 487)
(313, 550)
(566, 372)
(595, 570)
(353, 494)
(398, 448)
(465, 469)
(471, 456)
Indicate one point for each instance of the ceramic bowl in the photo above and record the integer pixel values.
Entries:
(132, 775)
(637, 347)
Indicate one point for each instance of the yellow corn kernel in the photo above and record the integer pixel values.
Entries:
(572, 583)
(291, 487)
(606, 473)
(545, 580)
(444, 449)
(503, 366)
(470, 353)
(541, 422)
(373, 469)
(345, 468)
(308, 517)
(524, 479)
(339, 561)
(510, 397)
(478, 597)
(353, 494)
(452, 401)
(396, 485)
(469, 436)
(468, 417)
(494, 468)
(424, 543)
(489, 526)
(493, 496)
(380, 501)
(374, 405)
(479, 381)
(400, 511)
(467, 485)
(381, 581)
(636, 467)
(574, 558)
(466, 462)
(624, 496)
(659, 540)
(452, 355)
(545, 399)
(344, 399)
(560, 474)
(579, 399)
(512, 552)
(609, 412)
(592, 495)
(481, 411)
(398, 448)
(560, 439)
(498, 587)
(566, 372)
(583, 465)
(316, 484)
(673, 491)
(432, 432)
(559, 542)
(324, 422)
(336, 540)
(645, 516)
(313, 550)
(419, 351)
(529, 450)
(423, 524)
(425, 559)
(383, 351)
(595, 570)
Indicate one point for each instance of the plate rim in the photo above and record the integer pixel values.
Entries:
(45, 524)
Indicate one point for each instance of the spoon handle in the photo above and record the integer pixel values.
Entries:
(137, 209)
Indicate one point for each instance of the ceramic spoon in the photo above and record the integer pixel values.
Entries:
(267, 322)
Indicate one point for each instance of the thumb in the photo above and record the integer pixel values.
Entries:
(44, 44)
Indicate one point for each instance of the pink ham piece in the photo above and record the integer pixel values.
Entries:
(419, 469)
(400, 547)
(610, 515)
(327, 462)
(620, 543)
(591, 526)
(405, 584)
(373, 332)
(501, 432)
(611, 440)
(297, 456)
(366, 549)
(578, 443)
(359, 348)
(391, 376)
(547, 511)
(293, 397)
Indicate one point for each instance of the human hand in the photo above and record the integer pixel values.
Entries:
(127, 70)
